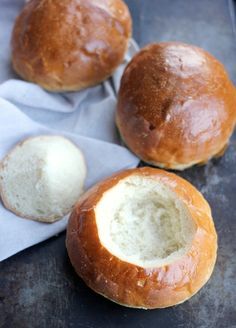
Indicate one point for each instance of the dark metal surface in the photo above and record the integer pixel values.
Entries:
(38, 287)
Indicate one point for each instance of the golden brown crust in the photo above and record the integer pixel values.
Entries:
(176, 105)
(70, 44)
(129, 284)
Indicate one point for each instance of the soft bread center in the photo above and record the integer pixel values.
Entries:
(43, 177)
(142, 221)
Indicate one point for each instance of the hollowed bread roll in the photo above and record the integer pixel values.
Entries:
(71, 44)
(143, 238)
(176, 105)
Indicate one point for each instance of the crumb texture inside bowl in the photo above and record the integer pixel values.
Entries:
(142, 221)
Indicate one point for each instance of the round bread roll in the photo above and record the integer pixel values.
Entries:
(42, 178)
(176, 106)
(71, 44)
(143, 238)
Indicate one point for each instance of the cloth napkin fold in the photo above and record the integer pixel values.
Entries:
(86, 117)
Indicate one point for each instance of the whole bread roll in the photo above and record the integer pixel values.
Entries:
(42, 178)
(176, 105)
(143, 238)
(71, 44)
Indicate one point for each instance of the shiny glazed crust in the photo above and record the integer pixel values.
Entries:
(176, 105)
(129, 284)
(71, 44)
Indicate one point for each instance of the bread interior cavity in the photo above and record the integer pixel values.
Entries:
(141, 221)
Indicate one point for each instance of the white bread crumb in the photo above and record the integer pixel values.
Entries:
(42, 178)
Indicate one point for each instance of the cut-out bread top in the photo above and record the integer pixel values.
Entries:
(42, 178)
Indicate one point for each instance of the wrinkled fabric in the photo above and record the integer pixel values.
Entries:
(86, 117)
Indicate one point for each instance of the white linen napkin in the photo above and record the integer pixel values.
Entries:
(85, 117)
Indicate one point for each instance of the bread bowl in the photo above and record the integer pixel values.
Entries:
(176, 105)
(71, 44)
(42, 177)
(143, 238)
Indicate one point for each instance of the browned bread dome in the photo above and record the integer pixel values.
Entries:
(176, 106)
(71, 44)
(143, 238)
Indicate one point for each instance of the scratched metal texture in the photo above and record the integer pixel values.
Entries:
(38, 287)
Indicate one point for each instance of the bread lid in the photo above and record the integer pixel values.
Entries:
(42, 177)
